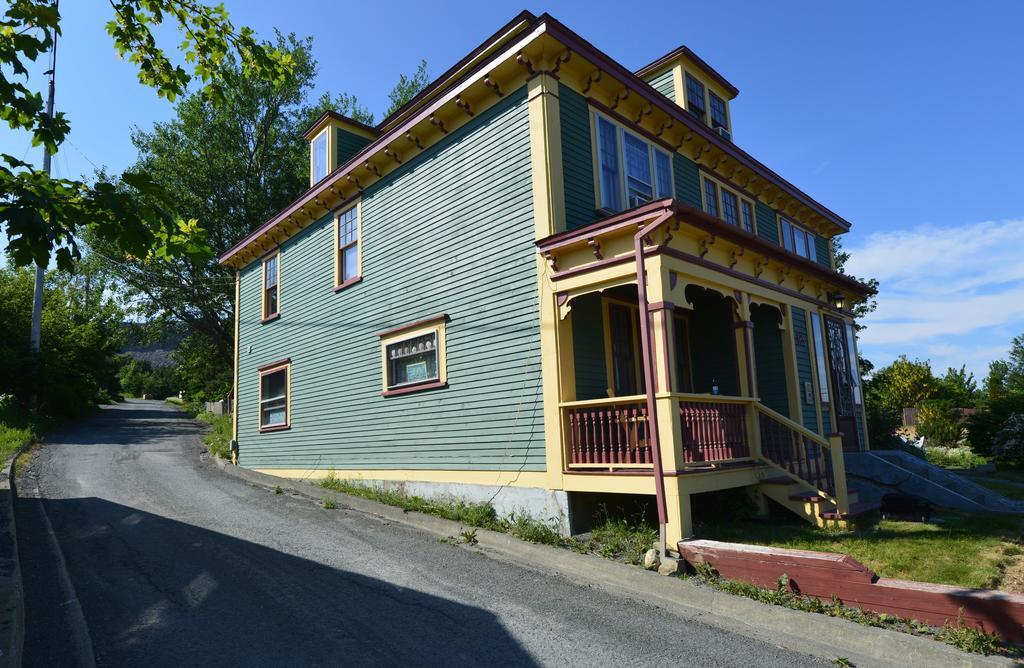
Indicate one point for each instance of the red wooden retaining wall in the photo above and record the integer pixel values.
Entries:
(822, 574)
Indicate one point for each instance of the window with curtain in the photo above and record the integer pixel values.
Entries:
(412, 360)
(348, 245)
(320, 156)
(274, 397)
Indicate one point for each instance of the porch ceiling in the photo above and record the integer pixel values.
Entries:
(693, 243)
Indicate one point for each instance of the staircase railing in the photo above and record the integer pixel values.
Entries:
(803, 455)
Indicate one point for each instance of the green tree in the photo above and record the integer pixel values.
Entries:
(958, 387)
(940, 423)
(231, 165)
(862, 308)
(995, 382)
(407, 88)
(40, 214)
(81, 336)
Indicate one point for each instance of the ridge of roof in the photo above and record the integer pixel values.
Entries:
(685, 51)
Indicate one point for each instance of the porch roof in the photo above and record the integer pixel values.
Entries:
(683, 212)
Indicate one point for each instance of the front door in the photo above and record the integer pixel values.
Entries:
(624, 351)
(842, 383)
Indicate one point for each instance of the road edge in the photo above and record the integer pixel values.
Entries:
(81, 638)
(12, 590)
(789, 629)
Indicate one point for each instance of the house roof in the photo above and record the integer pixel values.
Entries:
(684, 51)
(347, 120)
(507, 45)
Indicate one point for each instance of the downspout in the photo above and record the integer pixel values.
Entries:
(647, 350)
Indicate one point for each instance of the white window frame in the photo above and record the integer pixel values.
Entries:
(284, 367)
(324, 134)
(622, 179)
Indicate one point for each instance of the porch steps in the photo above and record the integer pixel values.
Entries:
(805, 501)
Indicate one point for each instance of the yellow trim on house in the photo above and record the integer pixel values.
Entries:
(234, 403)
(330, 156)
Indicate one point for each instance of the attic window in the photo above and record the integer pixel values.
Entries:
(319, 151)
(695, 97)
(719, 119)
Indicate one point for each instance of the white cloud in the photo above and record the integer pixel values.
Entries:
(955, 295)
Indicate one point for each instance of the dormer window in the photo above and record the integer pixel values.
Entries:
(797, 239)
(695, 97)
(319, 150)
(719, 119)
(632, 171)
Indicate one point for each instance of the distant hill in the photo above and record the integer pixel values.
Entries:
(146, 343)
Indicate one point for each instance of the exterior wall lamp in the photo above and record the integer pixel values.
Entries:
(837, 299)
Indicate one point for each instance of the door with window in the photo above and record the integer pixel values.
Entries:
(622, 326)
(845, 388)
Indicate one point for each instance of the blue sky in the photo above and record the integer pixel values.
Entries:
(904, 117)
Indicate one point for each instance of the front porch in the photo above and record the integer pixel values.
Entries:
(705, 379)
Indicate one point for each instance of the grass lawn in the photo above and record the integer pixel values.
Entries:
(968, 551)
(13, 437)
(1009, 483)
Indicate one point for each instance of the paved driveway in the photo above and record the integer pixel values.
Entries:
(176, 564)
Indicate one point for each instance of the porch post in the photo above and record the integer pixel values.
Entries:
(744, 327)
(835, 448)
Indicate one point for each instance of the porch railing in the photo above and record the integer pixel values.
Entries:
(714, 428)
(608, 433)
(797, 450)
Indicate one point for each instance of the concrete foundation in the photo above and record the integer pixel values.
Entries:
(541, 504)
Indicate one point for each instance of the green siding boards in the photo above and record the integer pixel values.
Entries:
(349, 143)
(769, 359)
(664, 84)
(588, 347)
(767, 227)
(821, 250)
(687, 176)
(803, 366)
(577, 158)
(450, 231)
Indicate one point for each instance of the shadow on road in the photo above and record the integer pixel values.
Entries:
(159, 592)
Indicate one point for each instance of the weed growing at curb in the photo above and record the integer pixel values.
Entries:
(329, 504)
(962, 637)
(278, 490)
(842, 662)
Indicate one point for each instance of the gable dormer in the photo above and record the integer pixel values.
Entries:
(333, 140)
(687, 80)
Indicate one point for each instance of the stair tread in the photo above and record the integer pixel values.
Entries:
(859, 508)
(779, 480)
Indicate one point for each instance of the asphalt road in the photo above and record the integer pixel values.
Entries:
(176, 564)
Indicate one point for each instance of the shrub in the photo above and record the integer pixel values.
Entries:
(1009, 441)
(983, 426)
(954, 458)
(940, 424)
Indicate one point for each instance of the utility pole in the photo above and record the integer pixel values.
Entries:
(37, 293)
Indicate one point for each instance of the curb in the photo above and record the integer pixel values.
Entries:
(790, 629)
(12, 591)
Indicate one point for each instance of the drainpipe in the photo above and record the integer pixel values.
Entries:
(647, 350)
